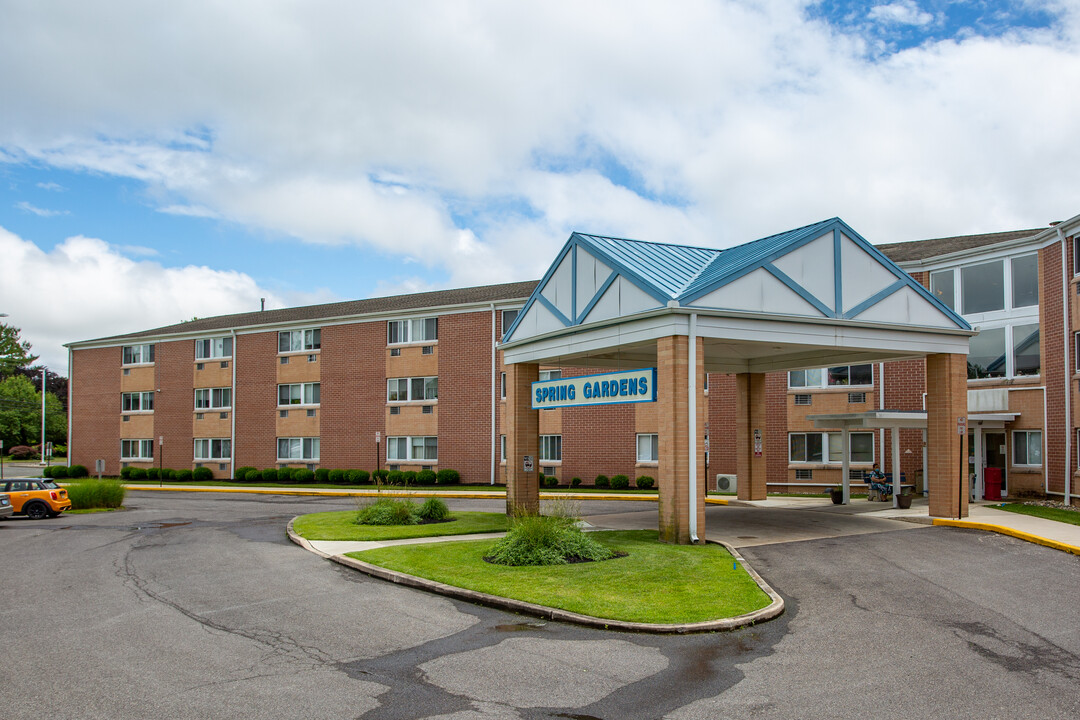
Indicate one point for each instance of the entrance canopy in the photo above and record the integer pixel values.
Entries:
(816, 296)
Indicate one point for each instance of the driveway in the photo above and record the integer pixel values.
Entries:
(196, 606)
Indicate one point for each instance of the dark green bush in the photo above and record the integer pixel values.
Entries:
(602, 481)
(183, 475)
(357, 477)
(47, 472)
(78, 471)
(87, 494)
(322, 475)
(619, 482)
(125, 473)
(253, 476)
(202, 474)
(303, 475)
(386, 511)
(426, 477)
(447, 476)
(337, 477)
(152, 473)
(382, 474)
(409, 477)
(168, 474)
(395, 477)
(575, 482)
(284, 475)
(138, 474)
(545, 540)
(241, 473)
(645, 482)
(59, 472)
(551, 481)
(272, 475)
(433, 509)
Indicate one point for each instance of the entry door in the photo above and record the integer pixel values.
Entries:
(994, 453)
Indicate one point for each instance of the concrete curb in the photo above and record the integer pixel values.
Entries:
(772, 610)
(1003, 530)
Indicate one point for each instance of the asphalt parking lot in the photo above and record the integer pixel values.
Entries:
(197, 606)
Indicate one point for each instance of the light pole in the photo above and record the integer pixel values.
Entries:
(44, 375)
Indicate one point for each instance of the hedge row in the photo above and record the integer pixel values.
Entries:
(615, 482)
(325, 476)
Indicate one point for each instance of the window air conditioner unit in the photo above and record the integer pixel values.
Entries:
(726, 483)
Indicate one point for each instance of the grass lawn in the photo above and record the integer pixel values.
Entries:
(92, 510)
(1071, 517)
(340, 526)
(655, 583)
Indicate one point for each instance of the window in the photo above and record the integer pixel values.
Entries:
(842, 375)
(502, 378)
(502, 448)
(213, 448)
(1025, 281)
(406, 389)
(508, 318)
(648, 447)
(299, 394)
(861, 448)
(136, 449)
(1076, 352)
(1027, 447)
(1026, 350)
(299, 340)
(550, 374)
(213, 398)
(551, 448)
(412, 448)
(415, 330)
(943, 287)
(213, 348)
(298, 448)
(138, 354)
(983, 287)
(804, 447)
(137, 402)
(805, 378)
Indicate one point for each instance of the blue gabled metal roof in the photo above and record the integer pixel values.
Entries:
(668, 268)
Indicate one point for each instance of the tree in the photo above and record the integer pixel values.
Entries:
(20, 414)
(14, 352)
(54, 384)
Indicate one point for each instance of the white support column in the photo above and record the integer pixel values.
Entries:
(895, 466)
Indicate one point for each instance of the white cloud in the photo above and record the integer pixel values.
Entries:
(40, 212)
(84, 289)
(51, 186)
(906, 12)
(189, 211)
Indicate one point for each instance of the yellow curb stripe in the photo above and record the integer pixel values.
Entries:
(716, 501)
(1003, 530)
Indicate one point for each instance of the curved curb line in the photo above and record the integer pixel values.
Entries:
(1003, 530)
(772, 610)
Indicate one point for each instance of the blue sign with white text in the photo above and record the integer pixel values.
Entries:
(632, 386)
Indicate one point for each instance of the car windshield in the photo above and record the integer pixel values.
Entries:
(49, 484)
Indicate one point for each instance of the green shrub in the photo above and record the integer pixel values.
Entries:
(575, 482)
(253, 476)
(183, 475)
(138, 474)
(59, 472)
(395, 477)
(426, 477)
(433, 509)
(125, 473)
(322, 475)
(168, 474)
(272, 475)
(645, 482)
(602, 481)
(357, 477)
(386, 511)
(303, 475)
(241, 473)
(90, 493)
(382, 474)
(284, 475)
(551, 481)
(152, 473)
(78, 471)
(336, 477)
(202, 474)
(47, 472)
(447, 476)
(409, 477)
(546, 540)
(619, 482)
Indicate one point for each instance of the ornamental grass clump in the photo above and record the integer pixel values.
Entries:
(386, 511)
(88, 494)
(546, 540)
(433, 510)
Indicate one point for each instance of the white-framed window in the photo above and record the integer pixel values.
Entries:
(213, 398)
(289, 449)
(136, 449)
(989, 287)
(648, 447)
(299, 340)
(502, 376)
(220, 347)
(299, 394)
(550, 374)
(508, 318)
(1027, 448)
(213, 448)
(818, 447)
(412, 447)
(1076, 352)
(413, 330)
(1011, 350)
(138, 354)
(137, 402)
(416, 388)
(502, 448)
(839, 376)
(551, 448)
(943, 287)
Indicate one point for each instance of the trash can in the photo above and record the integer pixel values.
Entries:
(992, 483)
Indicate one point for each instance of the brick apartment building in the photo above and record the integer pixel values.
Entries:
(313, 386)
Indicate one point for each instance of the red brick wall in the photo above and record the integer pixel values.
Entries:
(255, 403)
(174, 405)
(721, 419)
(905, 382)
(353, 394)
(1052, 322)
(598, 440)
(95, 411)
(776, 427)
(465, 395)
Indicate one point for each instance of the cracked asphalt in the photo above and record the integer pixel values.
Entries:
(197, 606)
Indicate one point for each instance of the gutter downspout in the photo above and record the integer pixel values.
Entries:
(232, 414)
(881, 406)
(692, 405)
(69, 405)
(1068, 373)
(494, 393)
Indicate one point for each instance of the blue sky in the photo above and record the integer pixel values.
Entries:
(164, 162)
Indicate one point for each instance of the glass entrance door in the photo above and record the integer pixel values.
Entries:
(994, 453)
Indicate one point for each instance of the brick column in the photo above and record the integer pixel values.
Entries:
(522, 425)
(750, 417)
(672, 359)
(946, 400)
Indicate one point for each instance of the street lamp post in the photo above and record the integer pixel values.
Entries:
(44, 375)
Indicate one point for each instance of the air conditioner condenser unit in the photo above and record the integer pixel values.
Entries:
(726, 483)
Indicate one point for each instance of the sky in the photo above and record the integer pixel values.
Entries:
(163, 161)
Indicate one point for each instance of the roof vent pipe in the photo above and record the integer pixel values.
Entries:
(262, 304)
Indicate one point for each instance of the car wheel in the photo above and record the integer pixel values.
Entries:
(36, 511)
